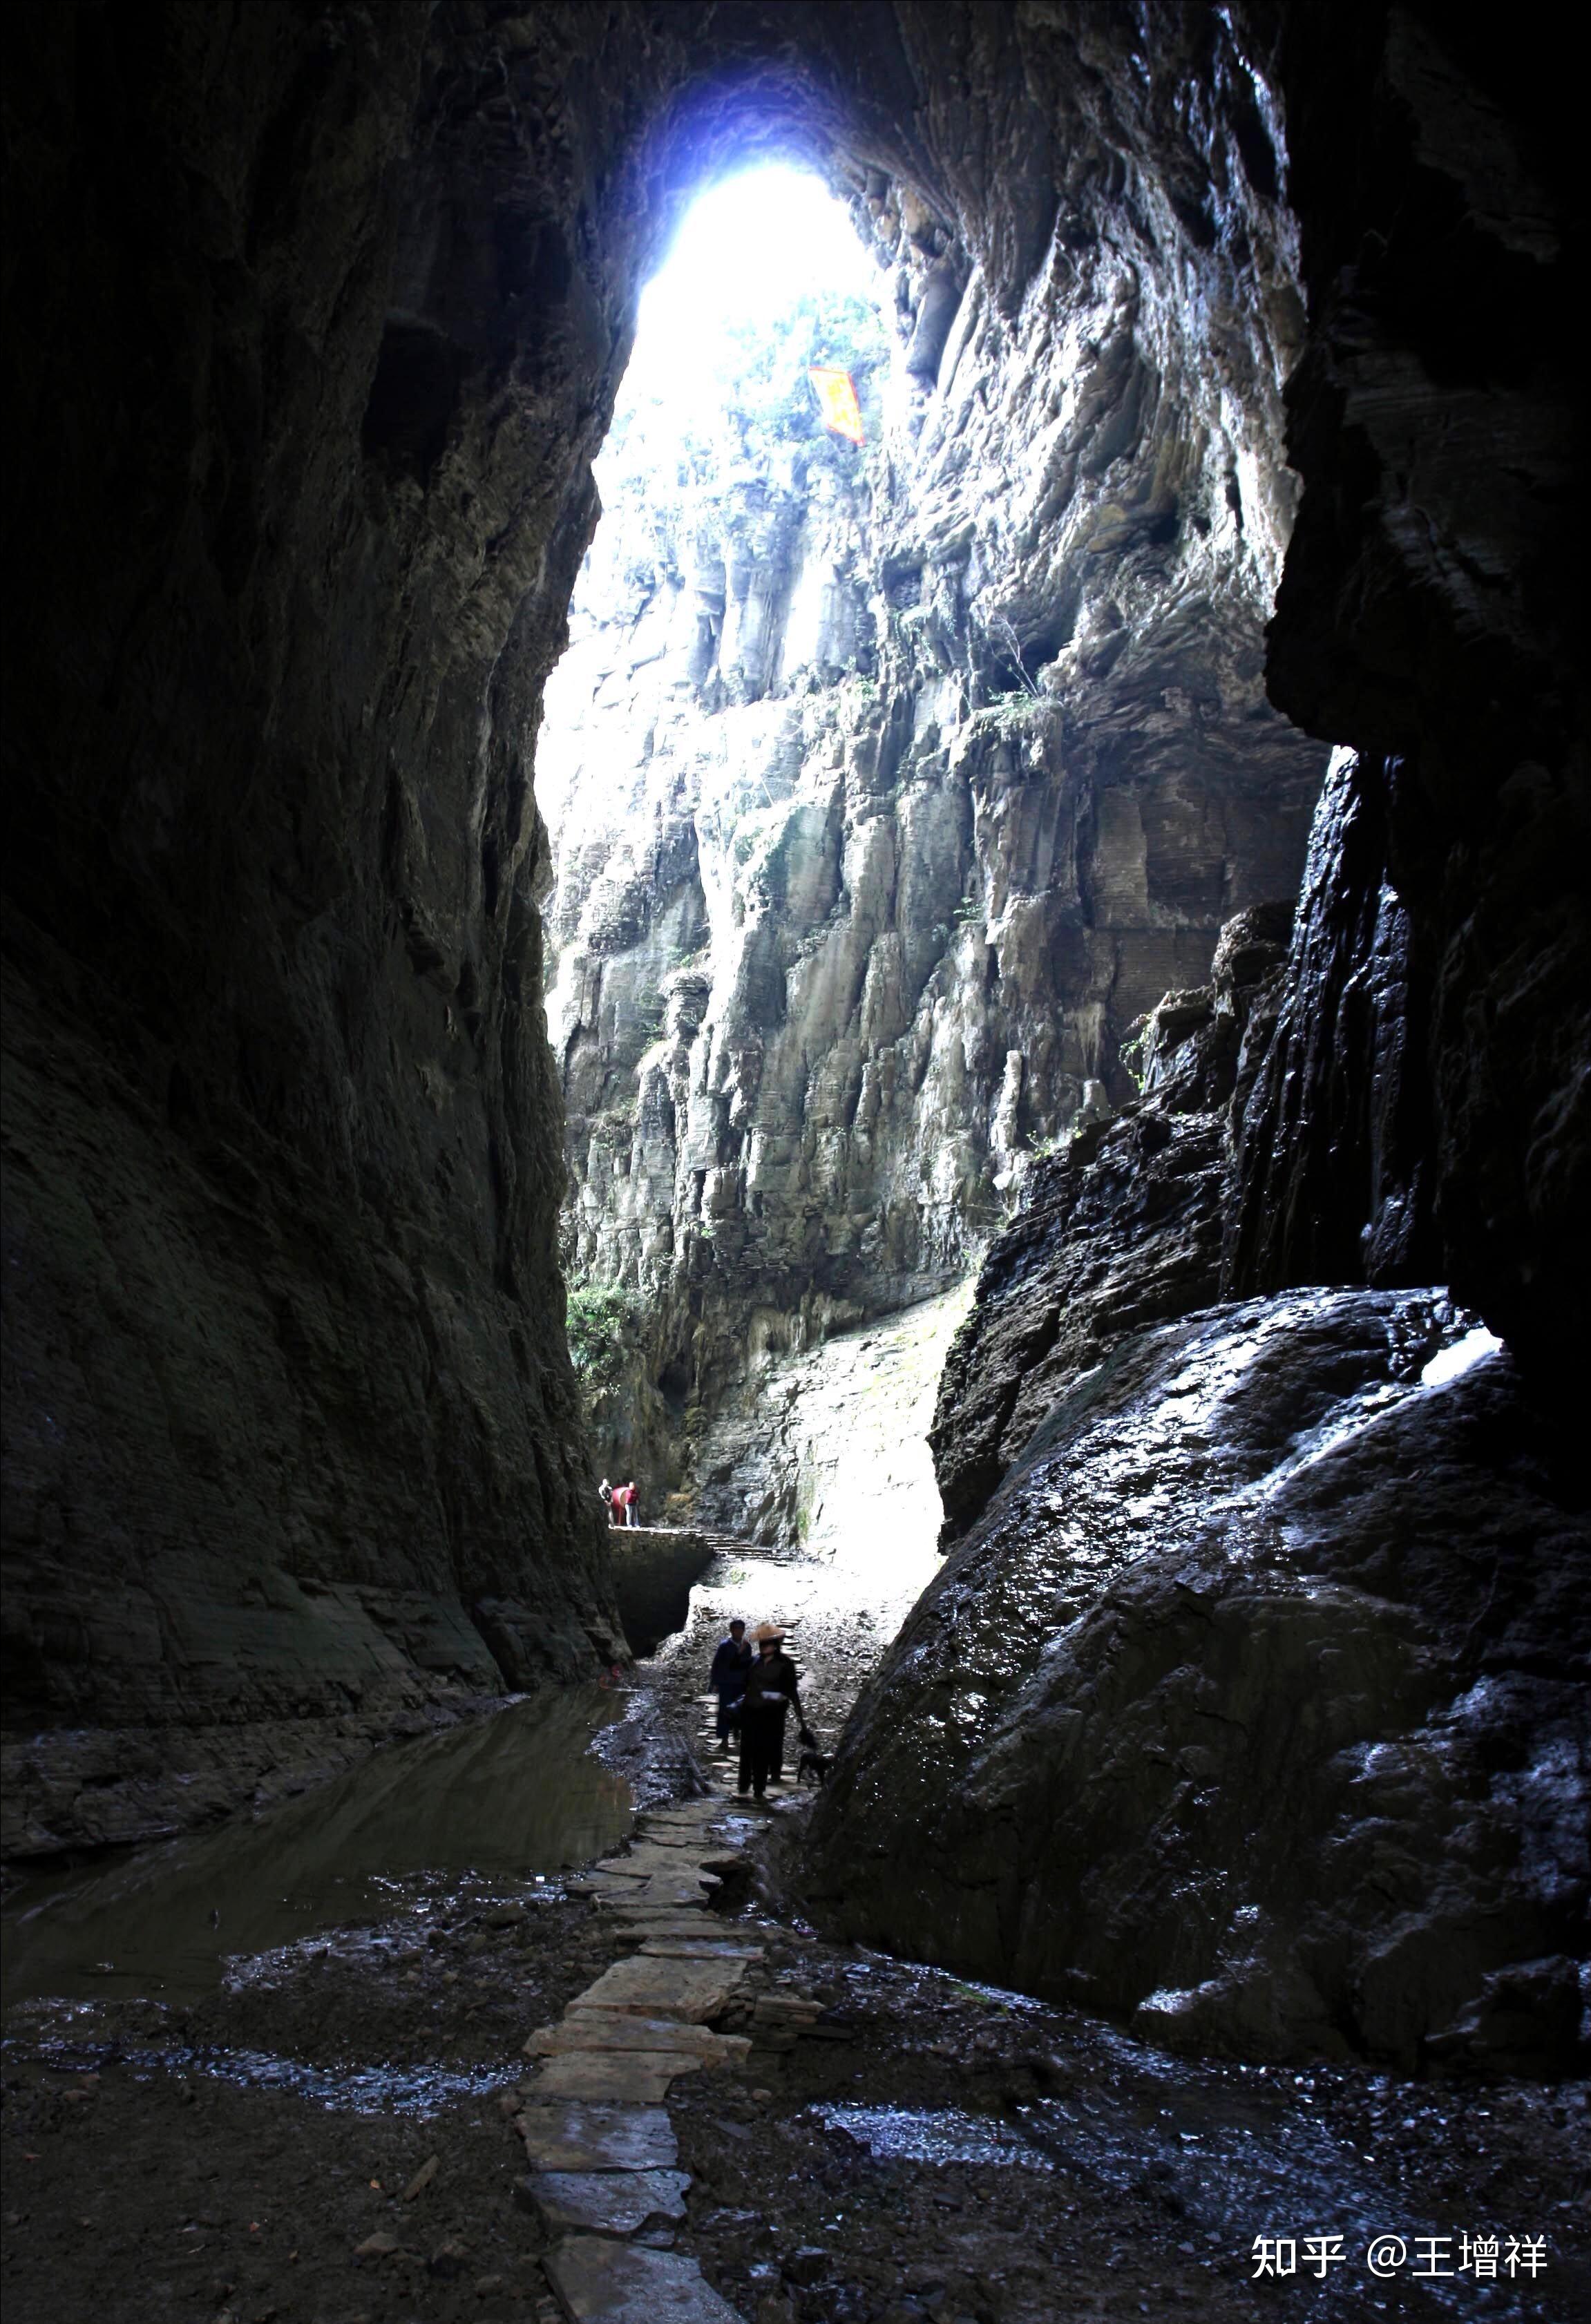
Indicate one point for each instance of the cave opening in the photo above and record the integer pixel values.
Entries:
(694, 593)
(882, 805)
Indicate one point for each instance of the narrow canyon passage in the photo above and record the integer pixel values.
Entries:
(815, 772)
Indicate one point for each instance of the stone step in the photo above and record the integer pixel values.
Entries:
(574, 2134)
(638, 2077)
(601, 2281)
(625, 2029)
(650, 1861)
(606, 2202)
(662, 1988)
(600, 2146)
(656, 1891)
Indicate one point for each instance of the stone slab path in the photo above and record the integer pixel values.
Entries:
(603, 2155)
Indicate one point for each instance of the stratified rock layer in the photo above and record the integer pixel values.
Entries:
(1254, 1705)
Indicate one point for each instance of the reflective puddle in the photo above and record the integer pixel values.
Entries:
(514, 1795)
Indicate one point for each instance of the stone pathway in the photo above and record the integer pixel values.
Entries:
(601, 2149)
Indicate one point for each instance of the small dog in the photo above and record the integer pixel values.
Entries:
(812, 1766)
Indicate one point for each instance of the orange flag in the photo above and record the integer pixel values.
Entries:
(836, 394)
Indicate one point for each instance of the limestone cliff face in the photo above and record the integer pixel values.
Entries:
(886, 790)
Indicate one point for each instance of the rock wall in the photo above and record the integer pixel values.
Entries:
(316, 326)
(1121, 1229)
(309, 354)
(1332, 1164)
(1313, 1563)
(829, 1451)
(1249, 1704)
(1431, 616)
(888, 789)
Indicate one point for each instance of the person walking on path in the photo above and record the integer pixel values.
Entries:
(630, 1518)
(606, 1495)
(727, 1678)
(771, 1691)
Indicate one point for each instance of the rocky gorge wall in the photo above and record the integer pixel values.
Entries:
(316, 324)
(292, 1447)
(888, 786)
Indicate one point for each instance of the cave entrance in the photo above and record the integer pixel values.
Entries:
(889, 785)
(720, 647)
(712, 603)
(766, 276)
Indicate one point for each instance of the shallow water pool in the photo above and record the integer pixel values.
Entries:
(511, 1796)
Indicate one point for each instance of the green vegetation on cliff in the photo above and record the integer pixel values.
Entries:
(600, 1319)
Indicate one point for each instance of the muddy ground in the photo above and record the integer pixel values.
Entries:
(227, 2159)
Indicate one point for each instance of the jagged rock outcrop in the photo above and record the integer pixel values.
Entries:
(1333, 1159)
(1123, 1228)
(1251, 1704)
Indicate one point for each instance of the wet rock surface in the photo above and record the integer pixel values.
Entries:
(1121, 1229)
(1253, 1703)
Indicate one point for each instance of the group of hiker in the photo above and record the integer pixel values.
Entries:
(755, 1681)
(619, 1501)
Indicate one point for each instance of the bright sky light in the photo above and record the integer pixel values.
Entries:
(745, 251)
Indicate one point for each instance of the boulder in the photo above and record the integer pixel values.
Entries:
(1252, 1708)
